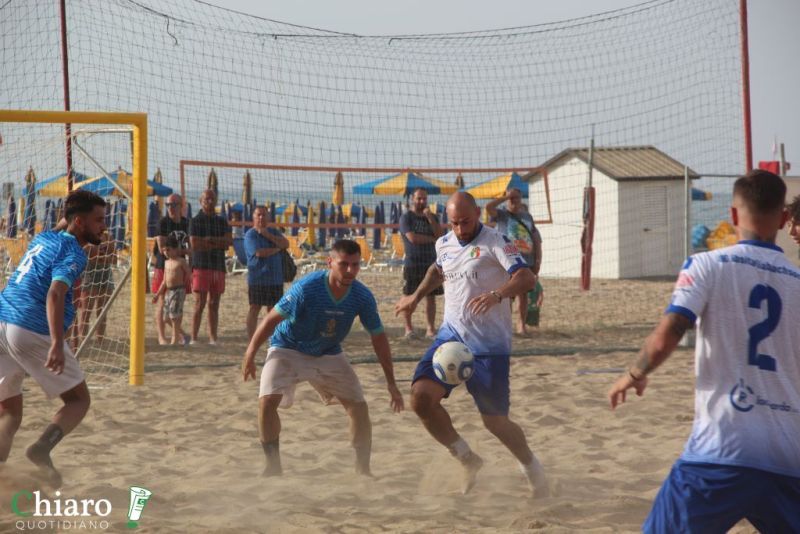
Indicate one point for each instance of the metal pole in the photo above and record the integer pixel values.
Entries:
(783, 161)
(591, 159)
(65, 75)
(748, 135)
(687, 213)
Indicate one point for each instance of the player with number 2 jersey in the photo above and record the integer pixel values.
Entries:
(742, 460)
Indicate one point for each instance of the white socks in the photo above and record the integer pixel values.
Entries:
(534, 472)
(460, 449)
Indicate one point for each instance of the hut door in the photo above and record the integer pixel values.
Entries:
(654, 234)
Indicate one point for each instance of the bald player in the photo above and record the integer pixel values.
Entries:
(481, 270)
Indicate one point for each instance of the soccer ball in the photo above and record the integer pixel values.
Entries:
(453, 363)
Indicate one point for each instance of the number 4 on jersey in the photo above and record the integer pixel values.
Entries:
(759, 332)
(27, 261)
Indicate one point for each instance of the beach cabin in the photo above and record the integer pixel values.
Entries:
(639, 217)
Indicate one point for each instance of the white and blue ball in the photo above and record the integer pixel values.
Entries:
(453, 363)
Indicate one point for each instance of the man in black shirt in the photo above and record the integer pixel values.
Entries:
(210, 236)
(173, 223)
(420, 229)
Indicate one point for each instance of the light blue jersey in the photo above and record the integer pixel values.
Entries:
(315, 323)
(51, 256)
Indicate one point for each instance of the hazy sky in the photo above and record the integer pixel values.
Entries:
(774, 31)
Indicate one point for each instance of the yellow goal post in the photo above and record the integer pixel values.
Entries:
(137, 122)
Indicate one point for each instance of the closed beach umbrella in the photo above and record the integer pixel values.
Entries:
(332, 220)
(362, 219)
(322, 233)
(11, 218)
(394, 216)
(247, 189)
(338, 190)
(459, 181)
(48, 221)
(153, 217)
(189, 210)
(312, 234)
(158, 178)
(376, 232)
(29, 218)
(295, 220)
(340, 232)
(213, 182)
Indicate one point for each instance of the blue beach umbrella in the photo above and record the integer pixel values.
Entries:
(29, 215)
(394, 216)
(403, 184)
(48, 221)
(322, 233)
(153, 217)
(362, 219)
(376, 232)
(340, 232)
(699, 194)
(189, 210)
(497, 186)
(295, 220)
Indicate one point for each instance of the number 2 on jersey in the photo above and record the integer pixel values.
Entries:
(759, 332)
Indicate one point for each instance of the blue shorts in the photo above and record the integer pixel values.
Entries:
(700, 497)
(488, 385)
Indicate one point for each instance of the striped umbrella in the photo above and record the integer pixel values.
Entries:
(496, 187)
(404, 184)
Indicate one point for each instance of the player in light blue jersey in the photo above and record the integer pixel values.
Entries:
(742, 460)
(36, 309)
(307, 327)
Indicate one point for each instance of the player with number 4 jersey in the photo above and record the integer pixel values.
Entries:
(35, 311)
(742, 459)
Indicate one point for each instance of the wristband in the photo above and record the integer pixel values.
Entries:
(497, 296)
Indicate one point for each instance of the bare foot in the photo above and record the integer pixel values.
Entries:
(272, 471)
(162, 341)
(471, 464)
(42, 459)
(363, 471)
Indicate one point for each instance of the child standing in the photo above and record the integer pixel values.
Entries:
(176, 276)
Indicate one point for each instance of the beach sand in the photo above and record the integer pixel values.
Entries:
(189, 434)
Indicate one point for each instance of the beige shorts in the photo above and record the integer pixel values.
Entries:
(331, 375)
(23, 351)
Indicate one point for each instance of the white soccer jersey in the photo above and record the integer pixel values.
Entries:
(472, 269)
(747, 359)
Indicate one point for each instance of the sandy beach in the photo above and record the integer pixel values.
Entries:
(189, 434)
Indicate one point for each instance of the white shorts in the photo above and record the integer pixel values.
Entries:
(331, 375)
(23, 351)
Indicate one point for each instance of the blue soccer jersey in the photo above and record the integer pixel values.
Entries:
(50, 256)
(316, 323)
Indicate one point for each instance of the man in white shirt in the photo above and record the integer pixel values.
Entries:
(742, 459)
(481, 270)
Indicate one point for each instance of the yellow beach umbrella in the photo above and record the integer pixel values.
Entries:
(338, 190)
(496, 187)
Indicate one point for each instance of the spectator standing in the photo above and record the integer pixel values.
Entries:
(209, 236)
(420, 229)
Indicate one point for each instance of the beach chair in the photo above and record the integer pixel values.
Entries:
(398, 252)
(13, 249)
(236, 258)
(368, 259)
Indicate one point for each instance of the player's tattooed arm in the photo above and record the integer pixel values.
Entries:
(660, 344)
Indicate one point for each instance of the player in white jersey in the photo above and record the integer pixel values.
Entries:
(742, 459)
(35, 311)
(481, 270)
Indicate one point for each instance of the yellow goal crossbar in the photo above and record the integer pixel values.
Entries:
(138, 121)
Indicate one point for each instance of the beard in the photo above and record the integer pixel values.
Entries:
(92, 239)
